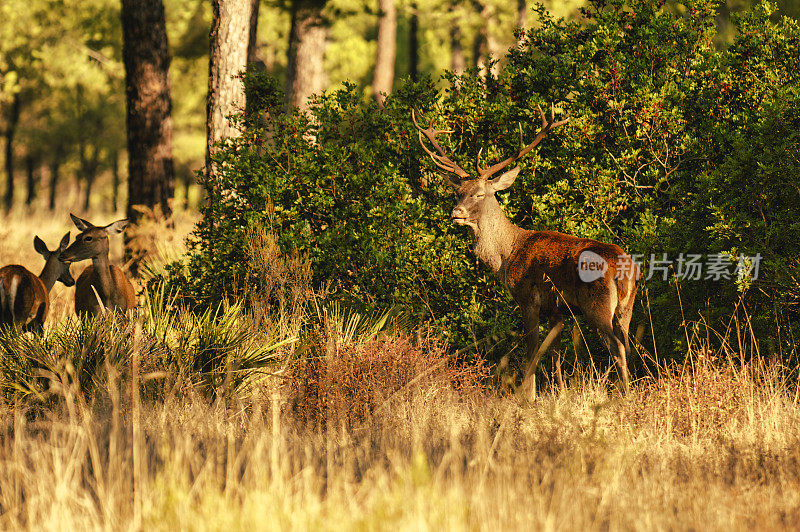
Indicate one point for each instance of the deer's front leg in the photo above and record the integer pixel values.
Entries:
(530, 326)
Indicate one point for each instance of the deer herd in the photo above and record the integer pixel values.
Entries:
(543, 270)
(24, 297)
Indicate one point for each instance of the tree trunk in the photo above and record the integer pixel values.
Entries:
(252, 40)
(305, 72)
(11, 130)
(458, 62)
(229, 38)
(115, 178)
(145, 52)
(522, 17)
(254, 62)
(413, 44)
(30, 171)
(55, 169)
(383, 77)
(89, 176)
(480, 46)
(88, 170)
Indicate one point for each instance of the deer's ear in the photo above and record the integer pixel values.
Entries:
(117, 227)
(80, 223)
(64, 242)
(505, 180)
(41, 247)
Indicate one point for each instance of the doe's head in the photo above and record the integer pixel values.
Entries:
(53, 259)
(92, 241)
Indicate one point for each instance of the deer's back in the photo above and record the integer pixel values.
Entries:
(26, 293)
(123, 296)
(546, 262)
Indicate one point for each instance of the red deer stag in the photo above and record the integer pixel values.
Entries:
(548, 273)
(102, 285)
(25, 298)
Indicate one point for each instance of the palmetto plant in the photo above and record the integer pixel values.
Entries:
(217, 351)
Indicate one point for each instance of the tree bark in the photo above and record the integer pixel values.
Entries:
(11, 130)
(383, 76)
(522, 17)
(145, 52)
(229, 38)
(55, 169)
(458, 62)
(30, 171)
(413, 44)
(90, 162)
(305, 71)
(485, 45)
(252, 39)
(115, 179)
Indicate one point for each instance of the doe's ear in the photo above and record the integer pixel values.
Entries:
(116, 227)
(64, 242)
(80, 223)
(41, 247)
(505, 180)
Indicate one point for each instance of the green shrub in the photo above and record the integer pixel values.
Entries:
(673, 146)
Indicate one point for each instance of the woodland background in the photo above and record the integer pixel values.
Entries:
(316, 346)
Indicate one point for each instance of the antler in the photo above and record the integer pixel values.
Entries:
(442, 161)
(486, 173)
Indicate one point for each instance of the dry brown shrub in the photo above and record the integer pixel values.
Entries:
(360, 378)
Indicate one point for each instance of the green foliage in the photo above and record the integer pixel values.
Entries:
(217, 352)
(673, 146)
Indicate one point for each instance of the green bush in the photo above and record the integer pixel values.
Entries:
(673, 146)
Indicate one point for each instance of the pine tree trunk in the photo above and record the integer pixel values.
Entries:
(305, 72)
(30, 170)
(55, 169)
(115, 178)
(522, 17)
(230, 35)
(383, 77)
(252, 39)
(413, 44)
(486, 44)
(146, 55)
(458, 62)
(90, 176)
(11, 130)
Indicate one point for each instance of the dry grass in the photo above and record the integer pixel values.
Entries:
(439, 457)
(368, 427)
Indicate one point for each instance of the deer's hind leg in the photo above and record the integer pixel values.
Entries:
(601, 313)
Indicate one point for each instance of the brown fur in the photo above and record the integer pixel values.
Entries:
(30, 300)
(540, 268)
(102, 279)
(25, 297)
(123, 298)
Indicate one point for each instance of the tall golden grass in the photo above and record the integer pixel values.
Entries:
(363, 423)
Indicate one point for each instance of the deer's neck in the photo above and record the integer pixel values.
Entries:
(102, 267)
(495, 236)
(49, 274)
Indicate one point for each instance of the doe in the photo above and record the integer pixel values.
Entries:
(24, 297)
(101, 286)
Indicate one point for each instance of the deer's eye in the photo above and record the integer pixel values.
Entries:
(87, 239)
(479, 195)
